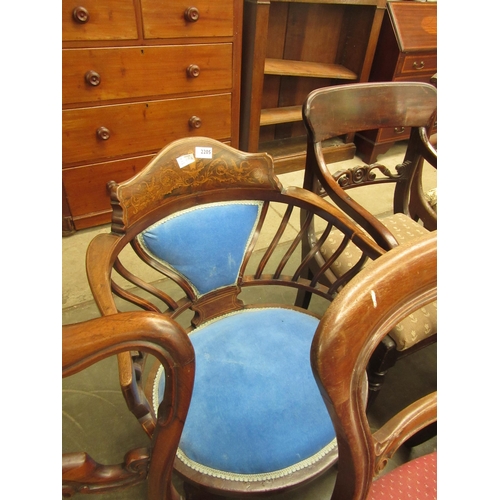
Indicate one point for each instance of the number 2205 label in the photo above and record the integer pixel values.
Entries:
(203, 152)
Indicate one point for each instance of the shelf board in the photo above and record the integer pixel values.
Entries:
(289, 154)
(286, 114)
(286, 67)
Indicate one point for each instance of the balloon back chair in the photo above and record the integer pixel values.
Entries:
(401, 281)
(331, 112)
(85, 343)
(206, 235)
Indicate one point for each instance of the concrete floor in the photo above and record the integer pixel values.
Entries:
(92, 399)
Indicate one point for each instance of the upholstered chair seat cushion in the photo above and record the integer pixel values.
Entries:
(416, 479)
(423, 322)
(256, 412)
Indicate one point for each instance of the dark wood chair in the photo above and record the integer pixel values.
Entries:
(202, 235)
(334, 111)
(401, 281)
(84, 344)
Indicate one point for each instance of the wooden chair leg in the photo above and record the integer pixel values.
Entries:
(383, 358)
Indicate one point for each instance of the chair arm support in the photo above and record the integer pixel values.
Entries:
(81, 474)
(403, 426)
(99, 277)
(428, 150)
(341, 197)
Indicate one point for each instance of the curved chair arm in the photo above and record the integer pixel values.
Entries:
(317, 166)
(98, 259)
(402, 427)
(418, 206)
(88, 342)
(337, 110)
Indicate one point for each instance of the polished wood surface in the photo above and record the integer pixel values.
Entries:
(96, 20)
(334, 111)
(135, 76)
(86, 343)
(135, 72)
(398, 283)
(406, 51)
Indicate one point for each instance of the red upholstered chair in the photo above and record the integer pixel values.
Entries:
(330, 112)
(395, 285)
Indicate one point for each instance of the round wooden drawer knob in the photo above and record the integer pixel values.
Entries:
(103, 133)
(93, 78)
(193, 71)
(191, 14)
(195, 122)
(80, 15)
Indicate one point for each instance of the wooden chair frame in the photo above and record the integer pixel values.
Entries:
(163, 188)
(83, 344)
(333, 111)
(398, 283)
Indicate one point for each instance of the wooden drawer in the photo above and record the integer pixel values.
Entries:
(393, 134)
(417, 77)
(98, 20)
(169, 18)
(141, 127)
(397, 133)
(418, 63)
(86, 186)
(134, 72)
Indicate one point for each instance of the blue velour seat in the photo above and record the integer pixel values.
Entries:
(210, 226)
(256, 413)
(269, 420)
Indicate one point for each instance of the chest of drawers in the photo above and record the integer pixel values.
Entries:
(136, 75)
(406, 51)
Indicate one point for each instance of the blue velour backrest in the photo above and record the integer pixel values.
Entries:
(206, 244)
(256, 411)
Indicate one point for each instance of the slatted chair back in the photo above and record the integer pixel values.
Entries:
(201, 235)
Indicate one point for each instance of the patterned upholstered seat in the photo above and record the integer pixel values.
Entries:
(416, 479)
(422, 323)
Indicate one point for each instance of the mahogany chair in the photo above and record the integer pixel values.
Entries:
(201, 235)
(84, 344)
(344, 109)
(401, 281)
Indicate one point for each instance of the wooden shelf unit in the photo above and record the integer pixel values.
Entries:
(291, 48)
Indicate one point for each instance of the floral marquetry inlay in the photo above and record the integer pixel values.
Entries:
(177, 171)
